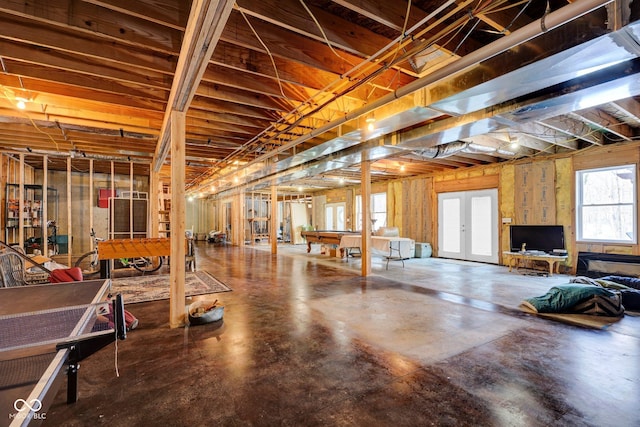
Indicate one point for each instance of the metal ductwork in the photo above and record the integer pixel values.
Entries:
(427, 105)
(442, 151)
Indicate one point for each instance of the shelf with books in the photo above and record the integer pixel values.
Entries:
(33, 222)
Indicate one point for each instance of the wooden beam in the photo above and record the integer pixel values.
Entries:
(169, 13)
(597, 118)
(389, 13)
(284, 44)
(53, 37)
(178, 210)
(292, 16)
(242, 59)
(88, 65)
(206, 23)
(90, 19)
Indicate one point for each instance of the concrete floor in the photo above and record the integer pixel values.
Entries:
(306, 341)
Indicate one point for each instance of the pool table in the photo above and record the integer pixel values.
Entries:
(326, 237)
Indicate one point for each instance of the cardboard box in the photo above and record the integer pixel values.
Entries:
(37, 259)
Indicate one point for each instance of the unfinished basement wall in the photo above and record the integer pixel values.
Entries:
(78, 237)
(200, 216)
(469, 179)
(530, 191)
(601, 157)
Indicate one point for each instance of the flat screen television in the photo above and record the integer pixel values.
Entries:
(543, 238)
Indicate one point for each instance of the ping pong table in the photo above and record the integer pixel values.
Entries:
(45, 331)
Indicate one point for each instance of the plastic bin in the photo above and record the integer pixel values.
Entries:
(423, 250)
(62, 240)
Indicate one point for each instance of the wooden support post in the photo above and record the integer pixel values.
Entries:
(91, 199)
(155, 197)
(44, 225)
(365, 186)
(113, 192)
(238, 218)
(69, 216)
(21, 195)
(273, 229)
(131, 200)
(177, 277)
(251, 213)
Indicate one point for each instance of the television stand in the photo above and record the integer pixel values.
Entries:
(514, 259)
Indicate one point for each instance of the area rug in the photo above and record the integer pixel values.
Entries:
(156, 287)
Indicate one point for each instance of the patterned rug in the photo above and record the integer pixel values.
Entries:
(156, 287)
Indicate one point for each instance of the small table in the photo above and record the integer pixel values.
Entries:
(514, 258)
(392, 248)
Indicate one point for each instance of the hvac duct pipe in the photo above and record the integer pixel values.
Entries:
(522, 35)
(540, 26)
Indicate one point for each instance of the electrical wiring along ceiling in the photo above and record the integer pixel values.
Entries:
(291, 87)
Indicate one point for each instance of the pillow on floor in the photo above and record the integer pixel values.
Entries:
(592, 299)
(632, 282)
(599, 282)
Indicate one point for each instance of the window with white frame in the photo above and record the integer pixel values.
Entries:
(606, 204)
(378, 211)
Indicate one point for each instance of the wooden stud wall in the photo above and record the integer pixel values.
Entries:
(506, 204)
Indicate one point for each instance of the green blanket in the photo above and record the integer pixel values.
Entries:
(562, 298)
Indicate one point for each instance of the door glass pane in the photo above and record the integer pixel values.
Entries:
(340, 217)
(328, 218)
(481, 227)
(451, 225)
(358, 219)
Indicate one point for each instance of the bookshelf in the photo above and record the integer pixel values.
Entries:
(36, 227)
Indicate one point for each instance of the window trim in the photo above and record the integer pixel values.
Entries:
(358, 203)
(579, 205)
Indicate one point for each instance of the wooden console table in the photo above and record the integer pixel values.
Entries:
(513, 259)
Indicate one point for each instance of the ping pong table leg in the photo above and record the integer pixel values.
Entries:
(105, 269)
(72, 378)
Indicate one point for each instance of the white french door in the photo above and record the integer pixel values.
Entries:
(468, 225)
(334, 216)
